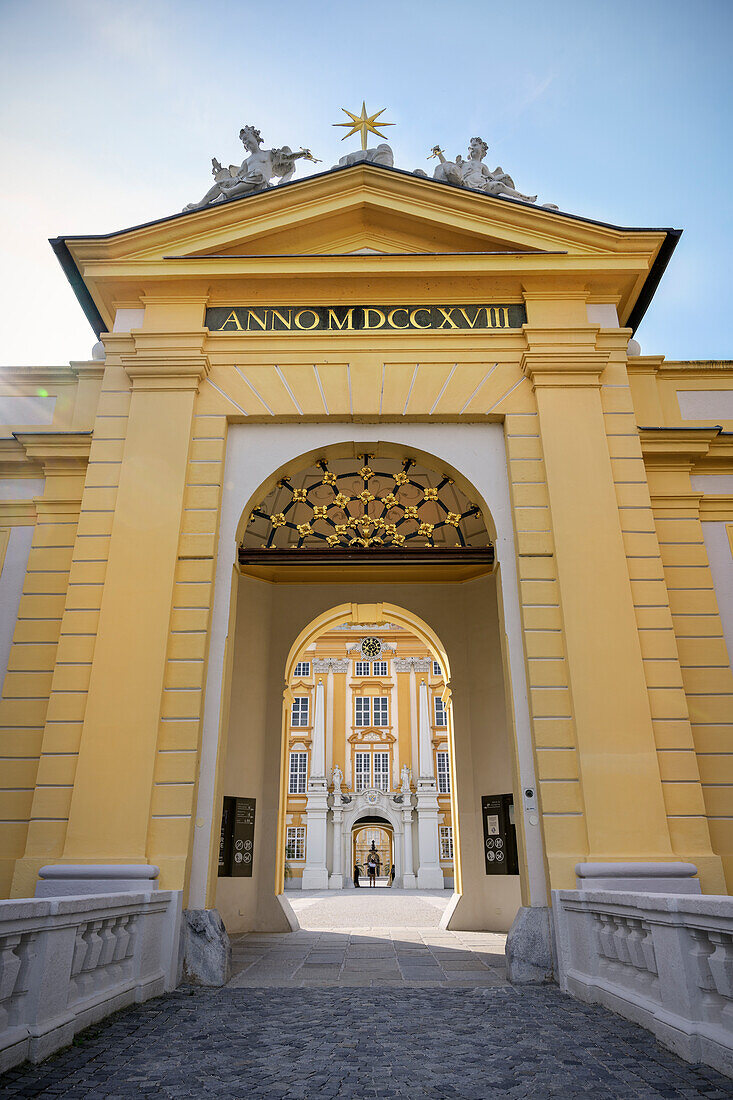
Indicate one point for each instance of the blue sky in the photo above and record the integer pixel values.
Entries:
(112, 109)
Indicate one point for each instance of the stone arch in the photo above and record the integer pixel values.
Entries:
(349, 448)
(256, 456)
(358, 613)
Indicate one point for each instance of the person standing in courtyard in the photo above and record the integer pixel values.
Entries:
(357, 872)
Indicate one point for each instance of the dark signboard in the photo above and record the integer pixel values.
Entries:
(237, 842)
(480, 318)
(500, 836)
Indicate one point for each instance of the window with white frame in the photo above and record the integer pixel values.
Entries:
(298, 772)
(362, 770)
(437, 670)
(381, 712)
(295, 842)
(443, 772)
(362, 668)
(446, 841)
(379, 668)
(381, 770)
(362, 705)
(299, 712)
(303, 668)
(441, 718)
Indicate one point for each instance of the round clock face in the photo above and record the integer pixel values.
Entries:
(371, 647)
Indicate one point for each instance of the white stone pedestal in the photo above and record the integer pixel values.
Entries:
(409, 882)
(429, 871)
(315, 872)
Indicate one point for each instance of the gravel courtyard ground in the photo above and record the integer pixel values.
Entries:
(362, 1010)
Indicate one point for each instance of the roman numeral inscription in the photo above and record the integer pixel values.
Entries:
(364, 318)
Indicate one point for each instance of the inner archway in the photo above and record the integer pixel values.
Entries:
(368, 739)
(372, 842)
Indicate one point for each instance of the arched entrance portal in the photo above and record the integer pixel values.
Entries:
(373, 837)
(367, 737)
(263, 621)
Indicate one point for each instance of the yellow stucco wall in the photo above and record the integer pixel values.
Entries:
(629, 675)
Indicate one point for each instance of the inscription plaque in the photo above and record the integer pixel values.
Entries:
(479, 318)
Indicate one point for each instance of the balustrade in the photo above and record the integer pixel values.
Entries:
(664, 961)
(68, 962)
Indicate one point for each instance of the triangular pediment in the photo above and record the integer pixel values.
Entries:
(364, 212)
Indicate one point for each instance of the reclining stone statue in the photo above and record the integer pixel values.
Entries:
(473, 172)
(380, 154)
(254, 173)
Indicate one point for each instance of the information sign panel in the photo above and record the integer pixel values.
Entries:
(500, 839)
(243, 843)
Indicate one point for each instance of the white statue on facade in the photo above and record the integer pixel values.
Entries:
(254, 173)
(380, 154)
(405, 773)
(473, 172)
(338, 778)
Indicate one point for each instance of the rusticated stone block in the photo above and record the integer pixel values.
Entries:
(207, 952)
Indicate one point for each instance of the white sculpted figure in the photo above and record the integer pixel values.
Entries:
(338, 778)
(474, 173)
(254, 173)
(405, 773)
(380, 154)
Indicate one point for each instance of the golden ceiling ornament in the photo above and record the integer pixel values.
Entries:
(353, 516)
(363, 124)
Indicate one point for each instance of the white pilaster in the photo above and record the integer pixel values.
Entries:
(429, 872)
(348, 721)
(318, 746)
(413, 721)
(427, 768)
(409, 882)
(329, 720)
(336, 881)
(315, 872)
(395, 718)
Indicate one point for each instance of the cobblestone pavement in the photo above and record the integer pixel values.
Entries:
(315, 1044)
(378, 957)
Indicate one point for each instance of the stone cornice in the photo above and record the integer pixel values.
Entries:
(57, 452)
(564, 357)
(60, 375)
(678, 447)
(167, 361)
(717, 507)
(14, 462)
(18, 513)
(682, 504)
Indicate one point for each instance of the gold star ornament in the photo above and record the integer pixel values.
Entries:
(363, 124)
